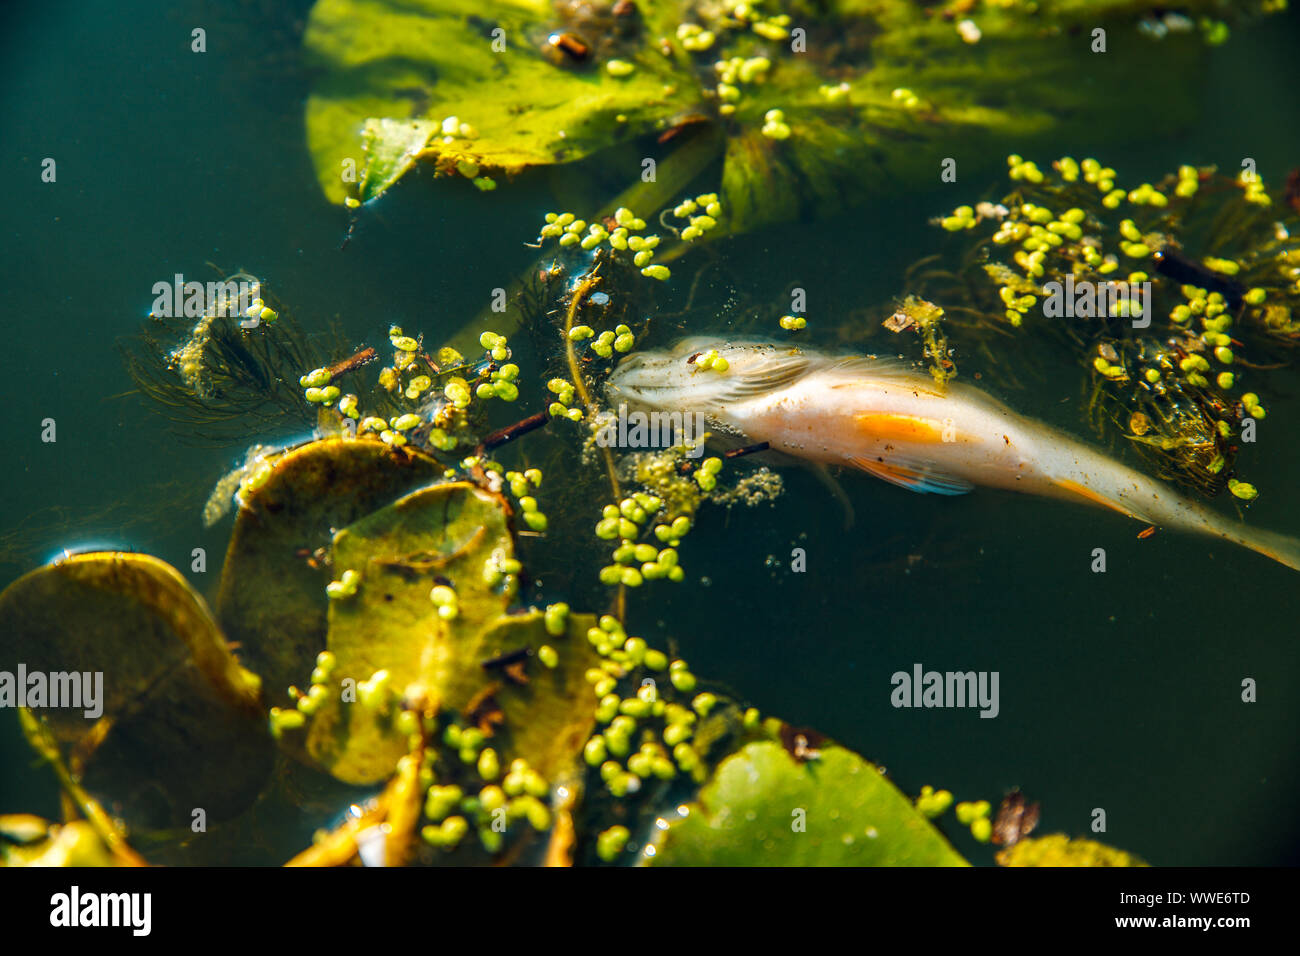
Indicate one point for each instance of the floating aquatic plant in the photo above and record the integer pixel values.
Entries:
(222, 374)
(811, 106)
(1068, 258)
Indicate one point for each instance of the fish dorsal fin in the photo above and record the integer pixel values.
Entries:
(851, 370)
(769, 367)
(914, 474)
(766, 368)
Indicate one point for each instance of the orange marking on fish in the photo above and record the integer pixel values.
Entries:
(1095, 497)
(889, 427)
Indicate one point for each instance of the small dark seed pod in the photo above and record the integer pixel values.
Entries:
(572, 45)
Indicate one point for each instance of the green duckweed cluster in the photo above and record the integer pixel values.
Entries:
(466, 789)
(426, 399)
(621, 232)
(649, 729)
(307, 703)
(1067, 256)
(734, 74)
(653, 724)
(933, 803)
(564, 395)
(975, 815)
(635, 562)
(466, 785)
(522, 485)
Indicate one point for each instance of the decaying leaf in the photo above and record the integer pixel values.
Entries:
(182, 724)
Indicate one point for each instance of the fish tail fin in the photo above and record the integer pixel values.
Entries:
(1282, 548)
(1176, 512)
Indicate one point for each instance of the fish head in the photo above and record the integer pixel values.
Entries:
(662, 379)
(675, 380)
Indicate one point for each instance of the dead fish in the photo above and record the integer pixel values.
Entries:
(892, 421)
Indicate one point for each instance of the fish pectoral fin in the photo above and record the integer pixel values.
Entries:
(923, 477)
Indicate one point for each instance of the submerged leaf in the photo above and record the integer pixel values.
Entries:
(173, 694)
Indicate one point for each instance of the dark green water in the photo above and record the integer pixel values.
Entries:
(1118, 691)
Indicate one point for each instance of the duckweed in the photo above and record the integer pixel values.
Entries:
(282, 720)
(556, 618)
(345, 587)
(375, 693)
(968, 812)
(445, 600)
(315, 378)
(933, 803)
(612, 842)
(703, 703)
(1242, 490)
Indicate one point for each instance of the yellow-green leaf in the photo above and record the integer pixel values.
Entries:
(764, 808)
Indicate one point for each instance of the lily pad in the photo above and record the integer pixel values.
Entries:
(453, 534)
(173, 695)
(272, 599)
(764, 808)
